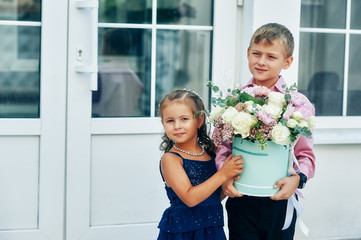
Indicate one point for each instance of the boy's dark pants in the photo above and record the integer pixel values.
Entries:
(256, 218)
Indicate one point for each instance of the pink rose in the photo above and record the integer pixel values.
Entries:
(289, 111)
(265, 117)
(262, 91)
(249, 90)
(297, 99)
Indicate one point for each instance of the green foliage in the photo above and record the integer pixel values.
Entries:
(261, 140)
(283, 121)
(292, 88)
(288, 97)
(244, 97)
(231, 99)
(302, 130)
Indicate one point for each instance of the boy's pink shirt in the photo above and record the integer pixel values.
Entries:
(303, 149)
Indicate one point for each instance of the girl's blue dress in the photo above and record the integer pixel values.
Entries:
(201, 222)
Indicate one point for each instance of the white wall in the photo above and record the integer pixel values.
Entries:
(332, 206)
(224, 52)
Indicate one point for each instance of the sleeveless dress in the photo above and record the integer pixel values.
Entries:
(201, 222)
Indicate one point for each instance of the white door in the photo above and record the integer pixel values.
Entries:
(32, 119)
(114, 189)
(82, 164)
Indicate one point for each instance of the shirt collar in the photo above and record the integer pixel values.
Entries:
(280, 85)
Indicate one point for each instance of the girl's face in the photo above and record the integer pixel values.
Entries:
(179, 124)
(266, 61)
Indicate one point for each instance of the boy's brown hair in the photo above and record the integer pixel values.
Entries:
(274, 31)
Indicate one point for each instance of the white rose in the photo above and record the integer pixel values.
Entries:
(311, 122)
(273, 110)
(229, 115)
(242, 123)
(251, 106)
(217, 111)
(291, 123)
(297, 115)
(281, 134)
(303, 123)
(276, 98)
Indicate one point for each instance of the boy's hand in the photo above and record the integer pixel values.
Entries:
(229, 189)
(288, 187)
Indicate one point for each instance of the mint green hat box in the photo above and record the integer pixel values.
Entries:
(262, 168)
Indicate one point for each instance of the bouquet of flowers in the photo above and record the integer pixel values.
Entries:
(259, 115)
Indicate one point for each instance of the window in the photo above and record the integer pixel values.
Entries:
(20, 28)
(148, 48)
(330, 56)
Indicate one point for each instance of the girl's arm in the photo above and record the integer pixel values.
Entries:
(177, 179)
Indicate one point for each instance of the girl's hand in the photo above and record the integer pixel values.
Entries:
(288, 187)
(176, 178)
(232, 166)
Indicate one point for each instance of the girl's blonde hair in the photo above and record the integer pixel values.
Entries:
(194, 101)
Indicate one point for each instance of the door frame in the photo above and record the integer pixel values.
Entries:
(49, 128)
(53, 118)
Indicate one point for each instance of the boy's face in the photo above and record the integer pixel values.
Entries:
(266, 61)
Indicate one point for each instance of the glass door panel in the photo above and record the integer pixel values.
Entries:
(143, 58)
(124, 73)
(355, 15)
(193, 12)
(323, 14)
(20, 10)
(183, 61)
(20, 33)
(321, 71)
(354, 84)
(125, 11)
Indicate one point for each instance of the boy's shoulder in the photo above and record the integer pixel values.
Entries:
(301, 96)
(303, 103)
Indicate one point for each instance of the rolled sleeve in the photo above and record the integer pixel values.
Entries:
(222, 152)
(304, 150)
(305, 156)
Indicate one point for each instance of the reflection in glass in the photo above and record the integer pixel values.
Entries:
(323, 13)
(183, 61)
(193, 12)
(124, 73)
(19, 71)
(124, 11)
(321, 71)
(29, 10)
(355, 14)
(354, 83)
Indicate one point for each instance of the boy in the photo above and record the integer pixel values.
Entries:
(269, 52)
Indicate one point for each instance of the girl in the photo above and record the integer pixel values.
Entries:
(189, 171)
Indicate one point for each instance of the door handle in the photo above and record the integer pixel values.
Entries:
(92, 68)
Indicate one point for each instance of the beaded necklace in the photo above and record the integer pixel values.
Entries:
(189, 153)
